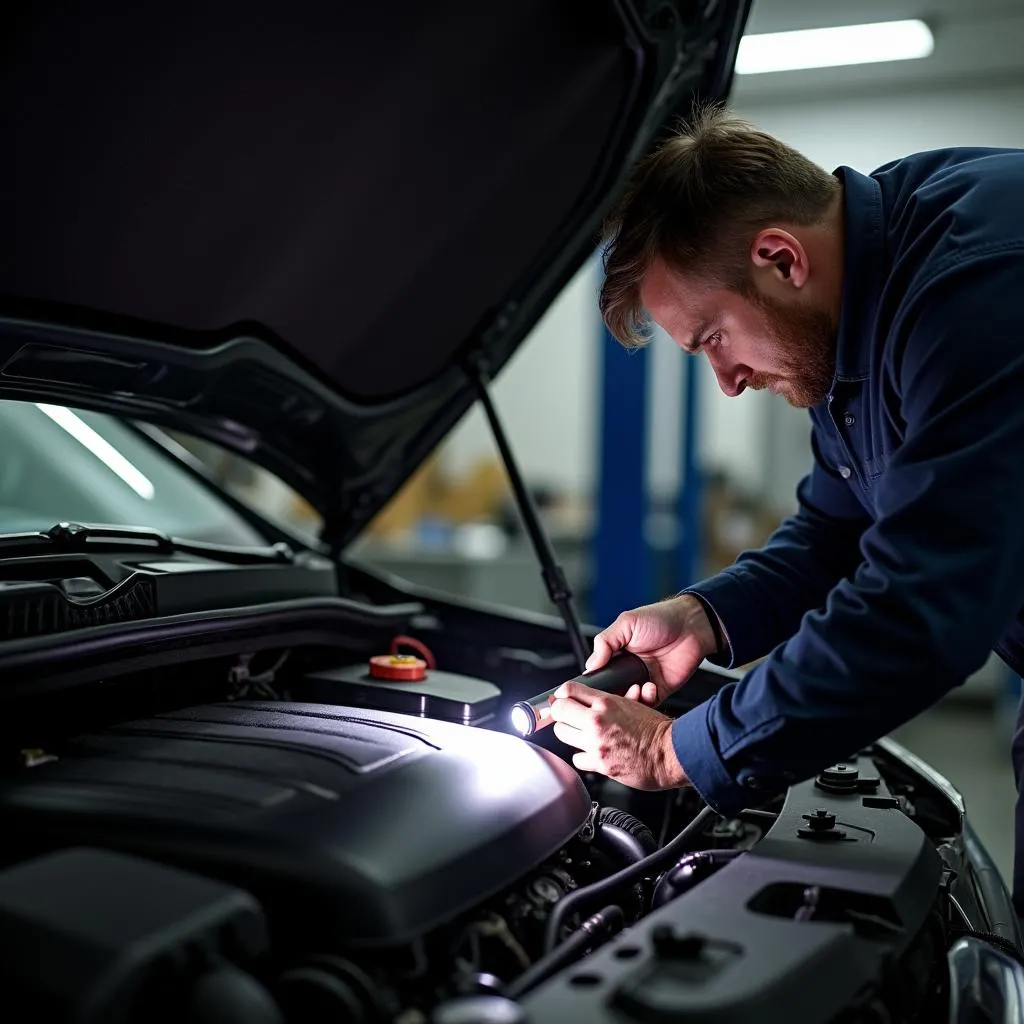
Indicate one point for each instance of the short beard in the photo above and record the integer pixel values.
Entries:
(806, 340)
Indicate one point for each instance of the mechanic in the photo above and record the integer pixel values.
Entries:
(891, 305)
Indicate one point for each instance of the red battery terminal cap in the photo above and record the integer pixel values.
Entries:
(402, 667)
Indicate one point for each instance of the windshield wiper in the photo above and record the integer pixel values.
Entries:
(75, 537)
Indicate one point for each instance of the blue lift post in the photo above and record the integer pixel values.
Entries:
(620, 563)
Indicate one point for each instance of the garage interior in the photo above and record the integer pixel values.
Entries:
(321, 474)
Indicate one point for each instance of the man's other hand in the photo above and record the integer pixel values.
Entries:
(673, 637)
(617, 737)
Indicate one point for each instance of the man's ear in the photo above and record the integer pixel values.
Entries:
(780, 255)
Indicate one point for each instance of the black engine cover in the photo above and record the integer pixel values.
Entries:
(354, 826)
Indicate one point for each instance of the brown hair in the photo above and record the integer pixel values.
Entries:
(696, 202)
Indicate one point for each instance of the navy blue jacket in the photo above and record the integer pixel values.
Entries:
(904, 565)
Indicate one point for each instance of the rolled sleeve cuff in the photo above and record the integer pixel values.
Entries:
(747, 634)
(693, 741)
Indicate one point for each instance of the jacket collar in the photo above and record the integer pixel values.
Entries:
(863, 271)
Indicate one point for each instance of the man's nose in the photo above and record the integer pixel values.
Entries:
(732, 377)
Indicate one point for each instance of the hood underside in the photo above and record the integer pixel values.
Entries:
(285, 228)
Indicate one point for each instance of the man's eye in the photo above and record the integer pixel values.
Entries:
(712, 339)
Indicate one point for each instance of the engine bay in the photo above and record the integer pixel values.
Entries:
(390, 866)
(236, 801)
(364, 828)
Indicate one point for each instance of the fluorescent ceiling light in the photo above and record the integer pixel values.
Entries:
(832, 47)
(101, 448)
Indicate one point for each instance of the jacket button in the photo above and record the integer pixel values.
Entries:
(849, 419)
(844, 472)
(752, 782)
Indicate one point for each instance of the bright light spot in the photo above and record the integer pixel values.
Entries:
(101, 448)
(832, 47)
(520, 719)
(501, 767)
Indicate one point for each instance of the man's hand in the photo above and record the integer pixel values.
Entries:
(673, 637)
(617, 737)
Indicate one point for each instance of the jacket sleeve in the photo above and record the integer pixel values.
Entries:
(942, 574)
(762, 596)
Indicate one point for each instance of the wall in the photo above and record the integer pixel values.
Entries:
(547, 394)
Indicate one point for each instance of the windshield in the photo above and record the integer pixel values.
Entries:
(59, 464)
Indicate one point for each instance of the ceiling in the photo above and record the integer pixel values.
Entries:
(975, 41)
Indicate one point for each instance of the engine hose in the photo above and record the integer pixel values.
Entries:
(621, 846)
(693, 868)
(999, 941)
(670, 852)
(595, 930)
(634, 826)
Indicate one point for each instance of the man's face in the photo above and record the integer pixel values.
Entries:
(752, 341)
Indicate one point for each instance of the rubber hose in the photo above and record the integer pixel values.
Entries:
(622, 846)
(601, 926)
(686, 873)
(999, 941)
(634, 826)
(669, 853)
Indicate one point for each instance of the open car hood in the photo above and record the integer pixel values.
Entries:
(289, 229)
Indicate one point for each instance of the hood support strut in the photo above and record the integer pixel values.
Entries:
(551, 572)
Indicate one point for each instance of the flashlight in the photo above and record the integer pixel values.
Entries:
(622, 671)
